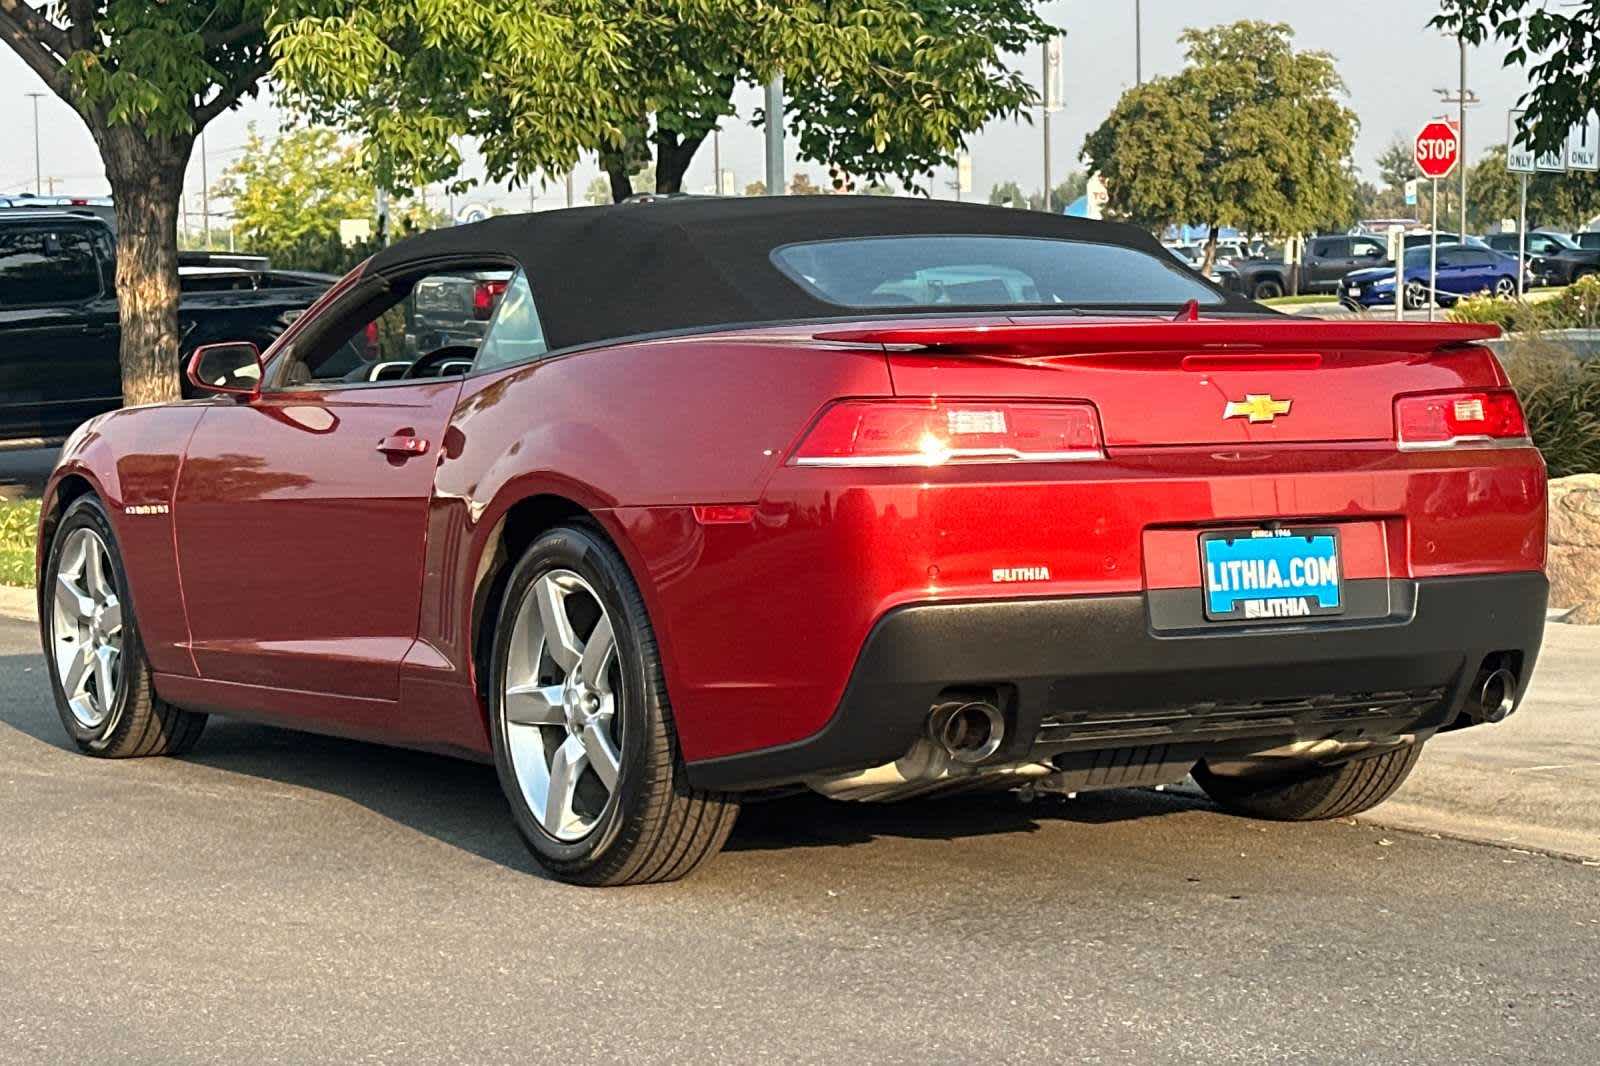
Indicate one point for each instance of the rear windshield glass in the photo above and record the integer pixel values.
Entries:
(937, 271)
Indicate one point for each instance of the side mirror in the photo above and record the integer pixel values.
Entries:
(232, 368)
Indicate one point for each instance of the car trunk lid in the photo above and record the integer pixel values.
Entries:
(1192, 381)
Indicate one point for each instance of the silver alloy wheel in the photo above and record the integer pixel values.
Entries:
(86, 627)
(1505, 288)
(560, 698)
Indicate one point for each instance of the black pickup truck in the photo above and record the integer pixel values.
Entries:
(59, 335)
(1327, 259)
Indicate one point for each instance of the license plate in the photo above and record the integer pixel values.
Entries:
(1271, 574)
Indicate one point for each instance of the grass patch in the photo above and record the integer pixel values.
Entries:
(1297, 301)
(19, 523)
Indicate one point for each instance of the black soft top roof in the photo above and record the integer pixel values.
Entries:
(601, 273)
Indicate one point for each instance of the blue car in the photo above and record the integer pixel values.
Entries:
(1463, 271)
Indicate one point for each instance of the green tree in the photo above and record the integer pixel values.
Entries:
(1554, 43)
(876, 88)
(145, 78)
(1008, 194)
(290, 194)
(802, 185)
(1397, 163)
(598, 192)
(1250, 133)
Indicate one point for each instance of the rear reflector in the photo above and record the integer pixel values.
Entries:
(933, 432)
(1446, 419)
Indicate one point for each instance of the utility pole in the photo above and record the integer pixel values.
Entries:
(205, 194)
(1463, 98)
(775, 182)
(1050, 98)
(38, 184)
(1138, 43)
(1461, 132)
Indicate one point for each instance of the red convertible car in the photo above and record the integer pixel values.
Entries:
(880, 498)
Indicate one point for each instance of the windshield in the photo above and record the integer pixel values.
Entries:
(1559, 238)
(983, 271)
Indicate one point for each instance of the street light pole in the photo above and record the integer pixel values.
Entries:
(38, 181)
(774, 135)
(1045, 124)
(1138, 43)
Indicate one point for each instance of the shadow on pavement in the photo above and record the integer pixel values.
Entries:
(459, 803)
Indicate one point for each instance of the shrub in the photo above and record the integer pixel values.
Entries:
(1575, 307)
(1561, 398)
(19, 523)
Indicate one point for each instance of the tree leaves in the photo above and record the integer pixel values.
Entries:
(1565, 40)
(875, 88)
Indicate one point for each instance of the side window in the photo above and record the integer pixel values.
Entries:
(398, 328)
(1330, 249)
(1369, 250)
(1541, 245)
(47, 265)
(515, 335)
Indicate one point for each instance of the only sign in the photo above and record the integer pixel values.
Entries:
(1438, 150)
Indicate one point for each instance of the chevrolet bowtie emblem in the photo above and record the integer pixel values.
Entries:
(1257, 408)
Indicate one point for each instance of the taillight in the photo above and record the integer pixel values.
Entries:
(934, 432)
(1444, 419)
(484, 297)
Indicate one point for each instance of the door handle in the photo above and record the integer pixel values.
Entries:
(403, 445)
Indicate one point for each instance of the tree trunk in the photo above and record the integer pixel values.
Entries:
(621, 182)
(146, 175)
(672, 161)
(1211, 251)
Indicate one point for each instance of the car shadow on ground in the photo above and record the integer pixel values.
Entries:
(459, 802)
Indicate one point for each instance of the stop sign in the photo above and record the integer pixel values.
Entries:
(1438, 149)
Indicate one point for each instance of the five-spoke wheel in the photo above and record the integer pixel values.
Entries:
(583, 734)
(561, 690)
(87, 627)
(103, 683)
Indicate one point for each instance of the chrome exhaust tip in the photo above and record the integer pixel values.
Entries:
(1497, 696)
(968, 731)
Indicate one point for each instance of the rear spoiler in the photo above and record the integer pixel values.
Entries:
(1095, 336)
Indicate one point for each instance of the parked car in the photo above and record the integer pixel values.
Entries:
(1462, 271)
(720, 508)
(1587, 239)
(1326, 260)
(1553, 258)
(59, 333)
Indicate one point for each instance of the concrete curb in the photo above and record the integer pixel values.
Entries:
(18, 604)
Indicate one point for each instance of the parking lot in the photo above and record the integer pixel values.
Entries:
(279, 897)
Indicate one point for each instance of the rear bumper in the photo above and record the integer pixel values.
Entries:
(1125, 672)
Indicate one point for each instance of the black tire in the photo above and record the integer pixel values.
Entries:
(1315, 793)
(1266, 289)
(1505, 288)
(139, 722)
(655, 827)
(1416, 295)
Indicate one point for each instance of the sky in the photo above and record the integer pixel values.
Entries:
(1390, 60)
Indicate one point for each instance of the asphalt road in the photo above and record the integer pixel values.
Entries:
(283, 898)
(23, 472)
